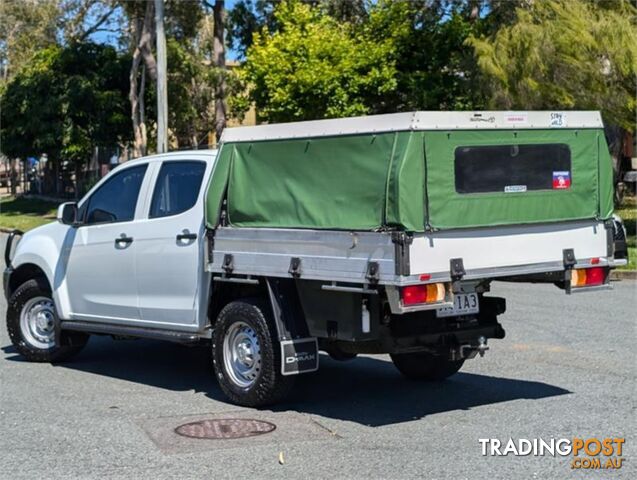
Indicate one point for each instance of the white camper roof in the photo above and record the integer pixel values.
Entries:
(400, 122)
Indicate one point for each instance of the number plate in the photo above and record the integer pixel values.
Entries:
(463, 304)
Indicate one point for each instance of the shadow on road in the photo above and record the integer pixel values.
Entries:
(366, 390)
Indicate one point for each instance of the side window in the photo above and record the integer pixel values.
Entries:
(512, 168)
(177, 188)
(115, 201)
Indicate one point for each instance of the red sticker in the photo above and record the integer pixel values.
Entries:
(561, 180)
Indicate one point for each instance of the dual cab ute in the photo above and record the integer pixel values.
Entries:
(370, 235)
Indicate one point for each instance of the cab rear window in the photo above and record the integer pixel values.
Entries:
(512, 168)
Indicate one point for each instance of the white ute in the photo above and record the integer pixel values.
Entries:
(166, 247)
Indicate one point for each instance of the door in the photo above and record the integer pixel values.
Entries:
(170, 246)
(101, 265)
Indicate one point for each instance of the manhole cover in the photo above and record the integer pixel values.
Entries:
(225, 428)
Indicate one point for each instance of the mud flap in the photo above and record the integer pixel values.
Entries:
(299, 351)
(299, 356)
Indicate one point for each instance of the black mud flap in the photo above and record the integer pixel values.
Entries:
(299, 356)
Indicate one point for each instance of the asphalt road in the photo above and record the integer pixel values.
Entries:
(566, 369)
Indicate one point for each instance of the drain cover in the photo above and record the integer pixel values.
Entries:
(225, 428)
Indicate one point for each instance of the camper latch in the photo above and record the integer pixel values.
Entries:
(457, 271)
(456, 267)
(401, 242)
(295, 267)
(228, 263)
(373, 274)
(568, 257)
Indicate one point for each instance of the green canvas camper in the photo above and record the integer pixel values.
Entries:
(425, 171)
(386, 231)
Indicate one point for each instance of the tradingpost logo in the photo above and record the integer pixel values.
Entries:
(586, 453)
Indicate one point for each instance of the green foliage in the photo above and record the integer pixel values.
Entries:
(65, 102)
(190, 93)
(26, 26)
(245, 19)
(248, 17)
(192, 82)
(415, 50)
(570, 54)
(436, 71)
(315, 67)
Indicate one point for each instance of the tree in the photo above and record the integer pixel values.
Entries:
(316, 67)
(65, 102)
(141, 28)
(80, 19)
(182, 22)
(436, 69)
(248, 17)
(26, 26)
(219, 61)
(564, 54)
(423, 43)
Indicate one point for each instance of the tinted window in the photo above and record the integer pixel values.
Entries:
(115, 200)
(512, 168)
(177, 188)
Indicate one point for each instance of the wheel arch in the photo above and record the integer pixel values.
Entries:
(280, 294)
(222, 293)
(24, 273)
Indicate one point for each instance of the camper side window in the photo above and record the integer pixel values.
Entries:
(512, 168)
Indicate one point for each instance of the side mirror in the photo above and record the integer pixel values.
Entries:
(67, 213)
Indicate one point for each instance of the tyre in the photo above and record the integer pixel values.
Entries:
(425, 366)
(246, 355)
(32, 323)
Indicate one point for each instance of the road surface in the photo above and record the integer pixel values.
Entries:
(565, 369)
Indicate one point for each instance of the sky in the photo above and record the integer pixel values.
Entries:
(111, 38)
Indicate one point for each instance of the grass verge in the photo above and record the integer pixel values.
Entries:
(25, 213)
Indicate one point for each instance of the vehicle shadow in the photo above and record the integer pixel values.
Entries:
(372, 392)
(367, 390)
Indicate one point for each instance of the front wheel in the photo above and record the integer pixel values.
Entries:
(425, 366)
(33, 325)
(246, 355)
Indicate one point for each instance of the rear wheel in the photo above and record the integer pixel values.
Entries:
(246, 355)
(425, 366)
(33, 324)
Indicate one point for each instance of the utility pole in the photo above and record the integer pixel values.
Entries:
(219, 57)
(162, 94)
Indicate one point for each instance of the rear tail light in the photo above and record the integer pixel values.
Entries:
(588, 277)
(418, 294)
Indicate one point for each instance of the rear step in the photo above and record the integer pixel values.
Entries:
(123, 330)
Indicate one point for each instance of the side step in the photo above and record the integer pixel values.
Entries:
(125, 330)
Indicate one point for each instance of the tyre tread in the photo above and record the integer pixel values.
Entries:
(272, 386)
(71, 344)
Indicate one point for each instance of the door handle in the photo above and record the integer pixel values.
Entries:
(187, 236)
(123, 239)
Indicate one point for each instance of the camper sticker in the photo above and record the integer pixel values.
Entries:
(561, 180)
(558, 120)
(514, 188)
